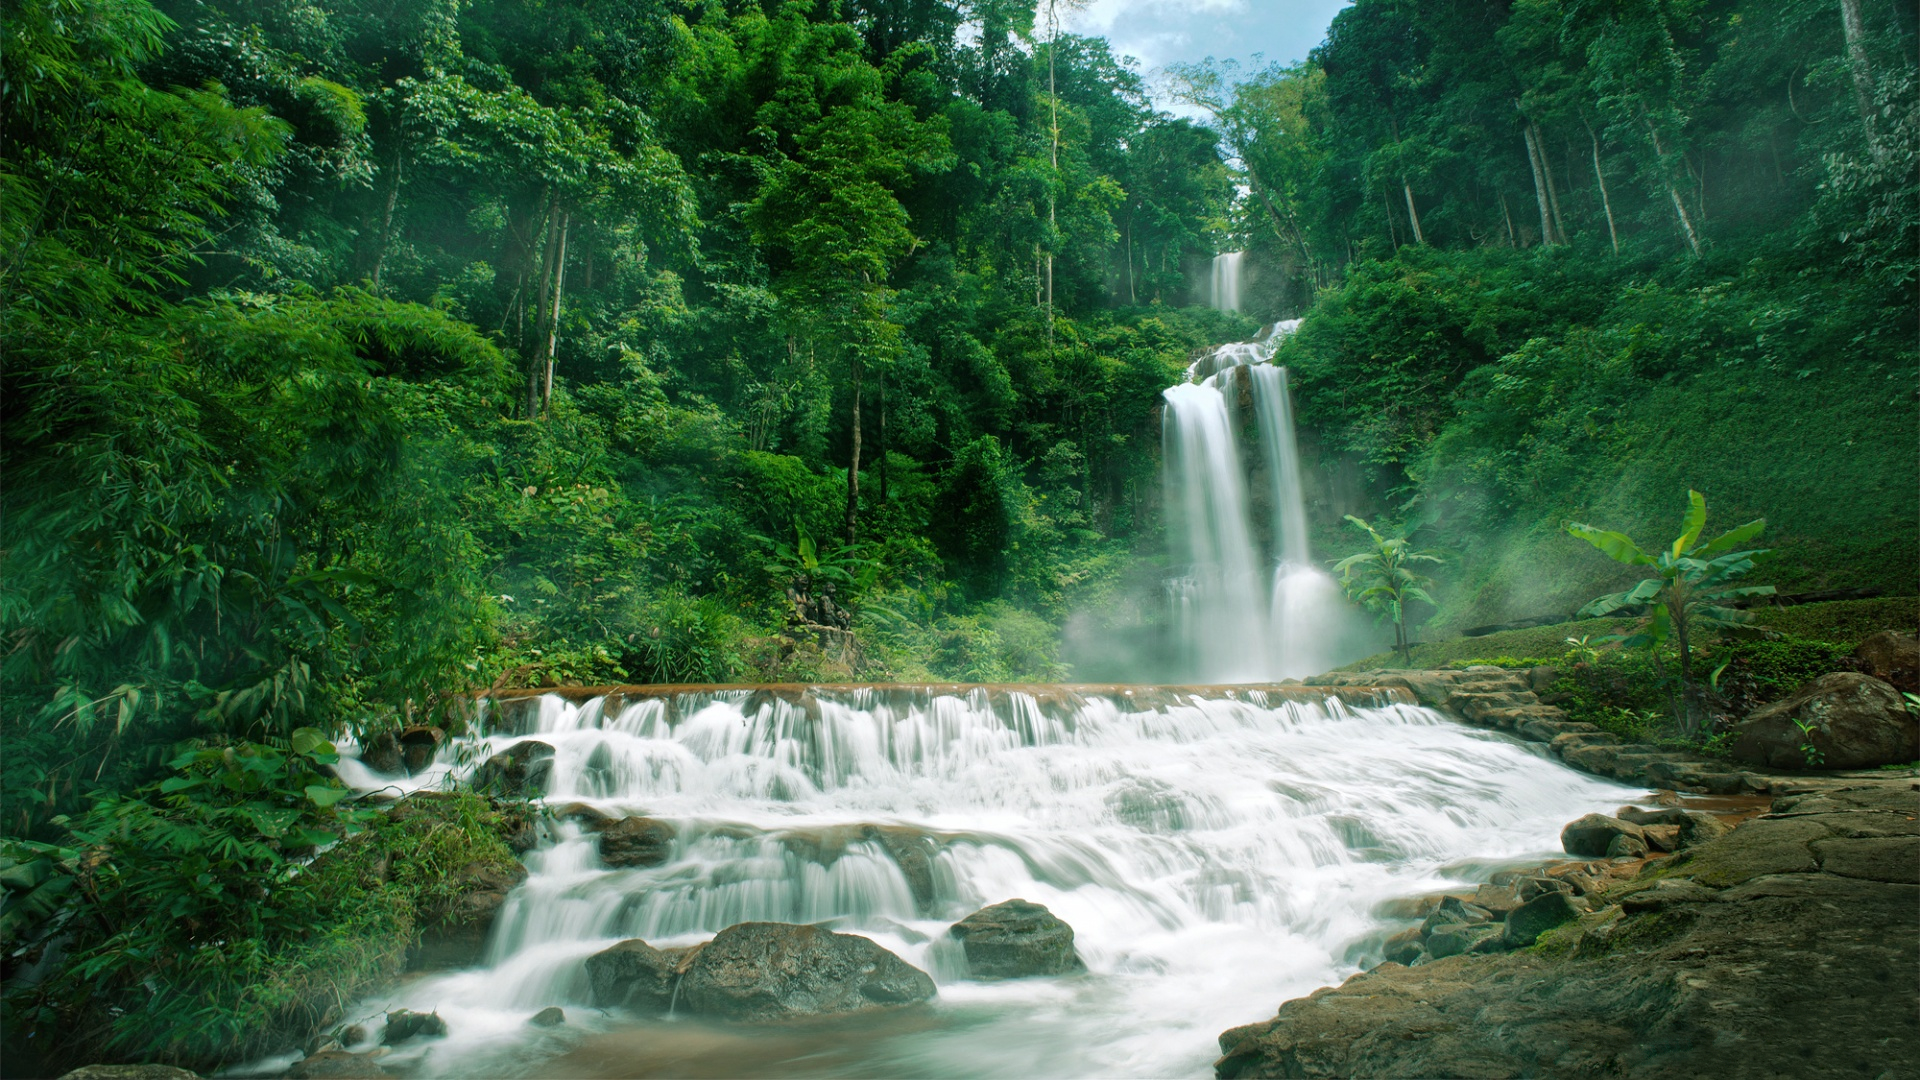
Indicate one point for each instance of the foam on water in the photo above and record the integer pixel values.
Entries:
(1214, 857)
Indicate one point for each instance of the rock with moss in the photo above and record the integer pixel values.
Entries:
(780, 971)
(1017, 939)
(1850, 720)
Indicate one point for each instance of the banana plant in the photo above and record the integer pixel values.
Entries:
(1689, 588)
(1381, 578)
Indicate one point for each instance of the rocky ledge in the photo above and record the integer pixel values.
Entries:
(1785, 947)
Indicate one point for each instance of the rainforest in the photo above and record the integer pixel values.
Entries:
(499, 499)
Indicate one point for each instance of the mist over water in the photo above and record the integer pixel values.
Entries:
(1215, 855)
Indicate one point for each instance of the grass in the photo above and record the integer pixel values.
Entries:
(1839, 622)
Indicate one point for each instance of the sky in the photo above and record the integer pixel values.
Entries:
(1161, 32)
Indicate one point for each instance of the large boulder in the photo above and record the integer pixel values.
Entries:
(419, 745)
(1016, 939)
(778, 971)
(1854, 721)
(1598, 835)
(382, 754)
(454, 931)
(519, 771)
(635, 975)
(635, 841)
(1894, 657)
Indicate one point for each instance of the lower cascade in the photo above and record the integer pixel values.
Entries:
(1213, 850)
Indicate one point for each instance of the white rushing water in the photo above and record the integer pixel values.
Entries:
(1225, 293)
(1245, 613)
(1214, 856)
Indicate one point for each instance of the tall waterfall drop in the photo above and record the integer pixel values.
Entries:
(1243, 613)
(1226, 281)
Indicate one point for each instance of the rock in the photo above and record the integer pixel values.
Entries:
(1458, 938)
(551, 1016)
(1016, 939)
(591, 818)
(129, 1072)
(636, 841)
(338, 1065)
(1662, 837)
(634, 975)
(914, 853)
(518, 772)
(1627, 846)
(777, 971)
(454, 932)
(1452, 910)
(1855, 722)
(351, 1035)
(1594, 834)
(1404, 947)
(382, 754)
(404, 1024)
(418, 745)
(1541, 677)
(1527, 922)
(1893, 657)
(1497, 899)
(1694, 827)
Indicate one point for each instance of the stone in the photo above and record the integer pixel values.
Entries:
(1854, 721)
(1627, 846)
(1662, 837)
(418, 745)
(778, 971)
(454, 931)
(518, 772)
(382, 754)
(1593, 835)
(1015, 939)
(635, 841)
(129, 1072)
(1893, 657)
(551, 1016)
(914, 853)
(338, 1065)
(1497, 899)
(404, 1024)
(1459, 938)
(1404, 947)
(1453, 910)
(1541, 677)
(1527, 922)
(1694, 827)
(634, 975)
(1875, 858)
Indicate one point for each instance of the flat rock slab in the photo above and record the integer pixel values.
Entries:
(1751, 955)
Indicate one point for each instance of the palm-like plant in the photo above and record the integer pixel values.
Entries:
(1382, 579)
(1689, 591)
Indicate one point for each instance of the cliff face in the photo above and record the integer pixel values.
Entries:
(1785, 948)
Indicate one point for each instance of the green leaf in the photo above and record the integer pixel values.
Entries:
(1732, 538)
(308, 740)
(1616, 546)
(323, 796)
(1695, 520)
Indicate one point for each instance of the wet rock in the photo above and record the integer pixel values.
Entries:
(518, 772)
(551, 1016)
(1628, 846)
(1893, 657)
(1404, 947)
(1855, 722)
(382, 754)
(591, 818)
(635, 975)
(914, 853)
(418, 745)
(777, 971)
(1497, 899)
(1694, 827)
(1527, 922)
(404, 1024)
(1015, 939)
(1662, 837)
(1594, 834)
(1804, 973)
(129, 1073)
(338, 1065)
(1452, 910)
(635, 841)
(454, 931)
(1457, 938)
(351, 1035)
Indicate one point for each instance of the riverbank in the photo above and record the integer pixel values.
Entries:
(1785, 948)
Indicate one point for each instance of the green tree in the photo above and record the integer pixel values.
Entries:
(1383, 578)
(1690, 592)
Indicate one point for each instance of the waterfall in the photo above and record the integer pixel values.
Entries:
(1241, 616)
(1226, 281)
(1216, 851)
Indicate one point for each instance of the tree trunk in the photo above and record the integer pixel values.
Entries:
(1539, 187)
(1605, 202)
(1512, 240)
(1673, 192)
(553, 318)
(1553, 186)
(1132, 298)
(386, 220)
(853, 469)
(1386, 203)
(1413, 215)
(883, 436)
(1862, 69)
(542, 297)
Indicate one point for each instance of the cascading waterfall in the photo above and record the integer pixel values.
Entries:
(1240, 616)
(1226, 281)
(1216, 851)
